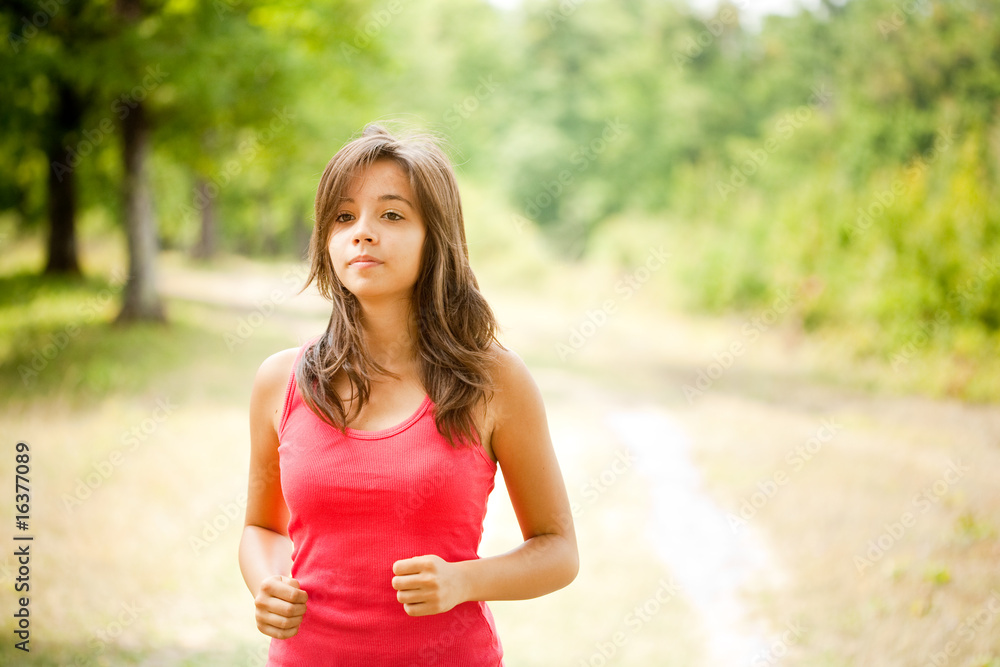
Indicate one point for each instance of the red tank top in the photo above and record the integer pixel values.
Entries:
(358, 502)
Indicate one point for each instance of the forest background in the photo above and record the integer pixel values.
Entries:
(845, 155)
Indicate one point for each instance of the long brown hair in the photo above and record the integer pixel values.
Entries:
(455, 325)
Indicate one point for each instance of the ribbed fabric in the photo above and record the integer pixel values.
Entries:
(358, 502)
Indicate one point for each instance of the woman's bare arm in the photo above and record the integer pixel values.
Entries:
(265, 552)
(547, 560)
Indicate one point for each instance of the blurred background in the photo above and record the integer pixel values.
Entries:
(750, 251)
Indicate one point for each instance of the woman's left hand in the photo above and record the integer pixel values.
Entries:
(427, 585)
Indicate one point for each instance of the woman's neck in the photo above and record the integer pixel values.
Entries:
(390, 331)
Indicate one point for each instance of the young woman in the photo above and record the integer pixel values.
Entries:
(374, 447)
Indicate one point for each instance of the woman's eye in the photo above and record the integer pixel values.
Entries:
(392, 215)
(342, 217)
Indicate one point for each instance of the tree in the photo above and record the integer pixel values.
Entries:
(62, 201)
(199, 83)
(141, 300)
(46, 103)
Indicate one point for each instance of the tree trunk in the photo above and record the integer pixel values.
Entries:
(142, 302)
(205, 248)
(62, 246)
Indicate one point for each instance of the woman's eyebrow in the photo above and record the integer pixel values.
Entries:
(391, 196)
(385, 197)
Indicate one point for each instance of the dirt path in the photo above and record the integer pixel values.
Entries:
(690, 532)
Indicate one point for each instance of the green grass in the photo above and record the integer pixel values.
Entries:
(61, 343)
(58, 341)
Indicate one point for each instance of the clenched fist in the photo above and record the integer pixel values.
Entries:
(280, 605)
(427, 585)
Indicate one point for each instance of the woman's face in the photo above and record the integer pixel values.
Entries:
(378, 234)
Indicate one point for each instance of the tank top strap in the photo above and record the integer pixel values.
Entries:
(292, 394)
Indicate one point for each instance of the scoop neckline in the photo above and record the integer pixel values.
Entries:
(391, 430)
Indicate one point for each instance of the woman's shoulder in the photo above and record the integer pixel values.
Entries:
(268, 394)
(504, 361)
(274, 371)
(516, 409)
(510, 376)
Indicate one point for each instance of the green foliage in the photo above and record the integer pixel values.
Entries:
(848, 154)
(237, 91)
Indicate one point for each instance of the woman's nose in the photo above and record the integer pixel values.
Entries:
(364, 231)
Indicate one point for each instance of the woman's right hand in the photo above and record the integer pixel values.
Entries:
(280, 605)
